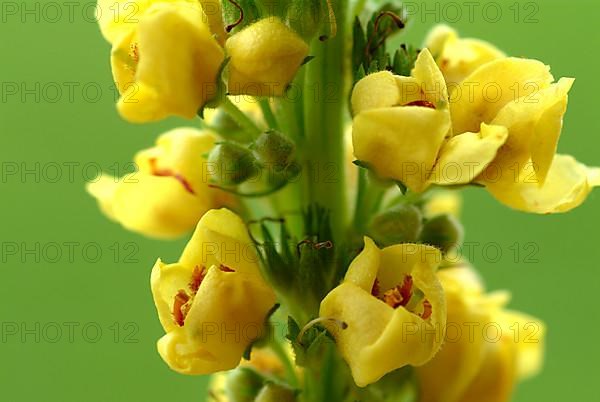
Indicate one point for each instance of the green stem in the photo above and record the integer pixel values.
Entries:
(325, 95)
(268, 113)
(290, 370)
(240, 117)
(368, 201)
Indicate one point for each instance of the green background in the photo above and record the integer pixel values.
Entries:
(112, 291)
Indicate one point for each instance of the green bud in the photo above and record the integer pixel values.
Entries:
(444, 232)
(401, 224)
(305, 17)
(231, 164)
(274, 149)
(276, 393)
(243, 384)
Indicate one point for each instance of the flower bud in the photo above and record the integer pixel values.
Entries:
(264, 58)
(275, 393)
(444, 232)
(401, 224)
(243, 384)
(274, 149)
(305, 17)
(232, 164)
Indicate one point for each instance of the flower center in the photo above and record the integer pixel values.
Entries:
(184, 299)
(403, 295)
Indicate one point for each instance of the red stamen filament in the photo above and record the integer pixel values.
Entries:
(422, 103)
(168, 173)
(427, 310)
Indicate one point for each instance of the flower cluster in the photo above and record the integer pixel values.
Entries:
(356, 269)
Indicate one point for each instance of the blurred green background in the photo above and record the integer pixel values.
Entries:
(77, 319)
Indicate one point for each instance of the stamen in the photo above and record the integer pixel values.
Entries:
(328, 244)
(168, 173)
(198, 276)
(228, 28)
(422, 103)
(181, 298)
(343, 325)
(400, 295)
(225, 268)
(376, 289)
(332, 23)
(427, 310)
(397, 20)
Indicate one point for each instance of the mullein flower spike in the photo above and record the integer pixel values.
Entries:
(213, 302)
(507, 144)
(168, 193)
(393, 309)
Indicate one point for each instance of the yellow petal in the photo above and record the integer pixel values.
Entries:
(401, 143)
(446, 377)
(367, 318)
(529, 335)
(265, 57)
(175, 62)
(430, 78)
(182, 152)
(214, 15)
(219, 322)
(223, 320)
(221, 237)
(534, 123)
(479, 98)
(378, 338)
(103, 190)
(116, 18)
(566, 187)
(165, 281)
(363, 269)
(437, 37)
(375, 91)
(465, 156)
(496, 377)
(458, 57)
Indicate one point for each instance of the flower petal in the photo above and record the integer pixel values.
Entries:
(465, 156)
(178, 64)
(566, 187)
(401, 143)
(375, 91)
(479, 98)
(534, 123)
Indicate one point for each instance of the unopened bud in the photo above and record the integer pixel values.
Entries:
(444, 232)
(243, 384)
(276, 393)
(274, 149)
(232, 163)
(401, 224)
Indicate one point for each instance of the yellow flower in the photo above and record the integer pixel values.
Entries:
(165, 64)
(393, 306)
(401, 122)
(524, 173)
(213, 302)
(265, 57)
(459, 57)
(487, 350)
(506, 119)
(168, 194)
